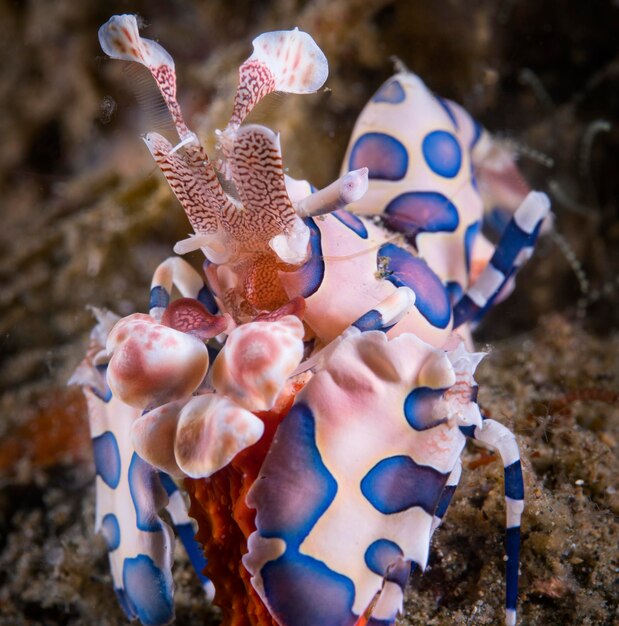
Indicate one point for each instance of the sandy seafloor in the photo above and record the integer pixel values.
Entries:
(86, 218)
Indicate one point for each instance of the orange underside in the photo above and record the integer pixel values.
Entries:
(225, 522)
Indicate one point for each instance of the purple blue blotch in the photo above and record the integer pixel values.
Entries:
(398, 483)
(385, 156)
(295, 488)
(303, 591)
(312, 272)
(147, 494)
(404, 270)
(442, 153)
(469, 239)
(391, 93)
(381, 554)
(418, 408)
(416, 212)
(107, 458)
(147, 591)
(352, 221)
(110, 529)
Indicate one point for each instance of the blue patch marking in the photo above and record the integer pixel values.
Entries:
(474, 394)
(159, 297)
(146, 492)
(512, 549)
(125, 603)
(443, 503)
(398, 483)
(110, 529)
(372, 320)
(384, 156)
(187, 533)
(208, 300)
(417, 212)
(107, 458)
(418, 408)
(391, 92)
(399, 573)
(148, 591)
(352, 221)
(381, 555)
(448, 110)
(293, 465)
(167, 483)
(303, 591)
(312, 271)
(454, 290)
(468, 431)
(514, 487)
(105, 393)
(405, 270)
(442, 153)
(380, 622)
(469, 239)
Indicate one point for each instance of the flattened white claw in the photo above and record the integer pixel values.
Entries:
(120, 39)
(297, 63)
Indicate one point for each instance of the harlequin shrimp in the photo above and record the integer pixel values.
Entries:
(314, 387)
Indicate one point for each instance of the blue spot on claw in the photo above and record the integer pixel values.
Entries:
(384, 156)
(398, 483)
(305, 592)
(418, 408)
(442, 153)
(294, 465)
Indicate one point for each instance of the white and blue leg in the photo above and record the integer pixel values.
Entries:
(176, 272)
(497, 436)
(512, 251)
(186, 531)
(446, 496)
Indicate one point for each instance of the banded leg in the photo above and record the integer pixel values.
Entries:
(447, 495)
(514, 248)
(497, 436)
(185, 530)
(195, 312)
(176, 272)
